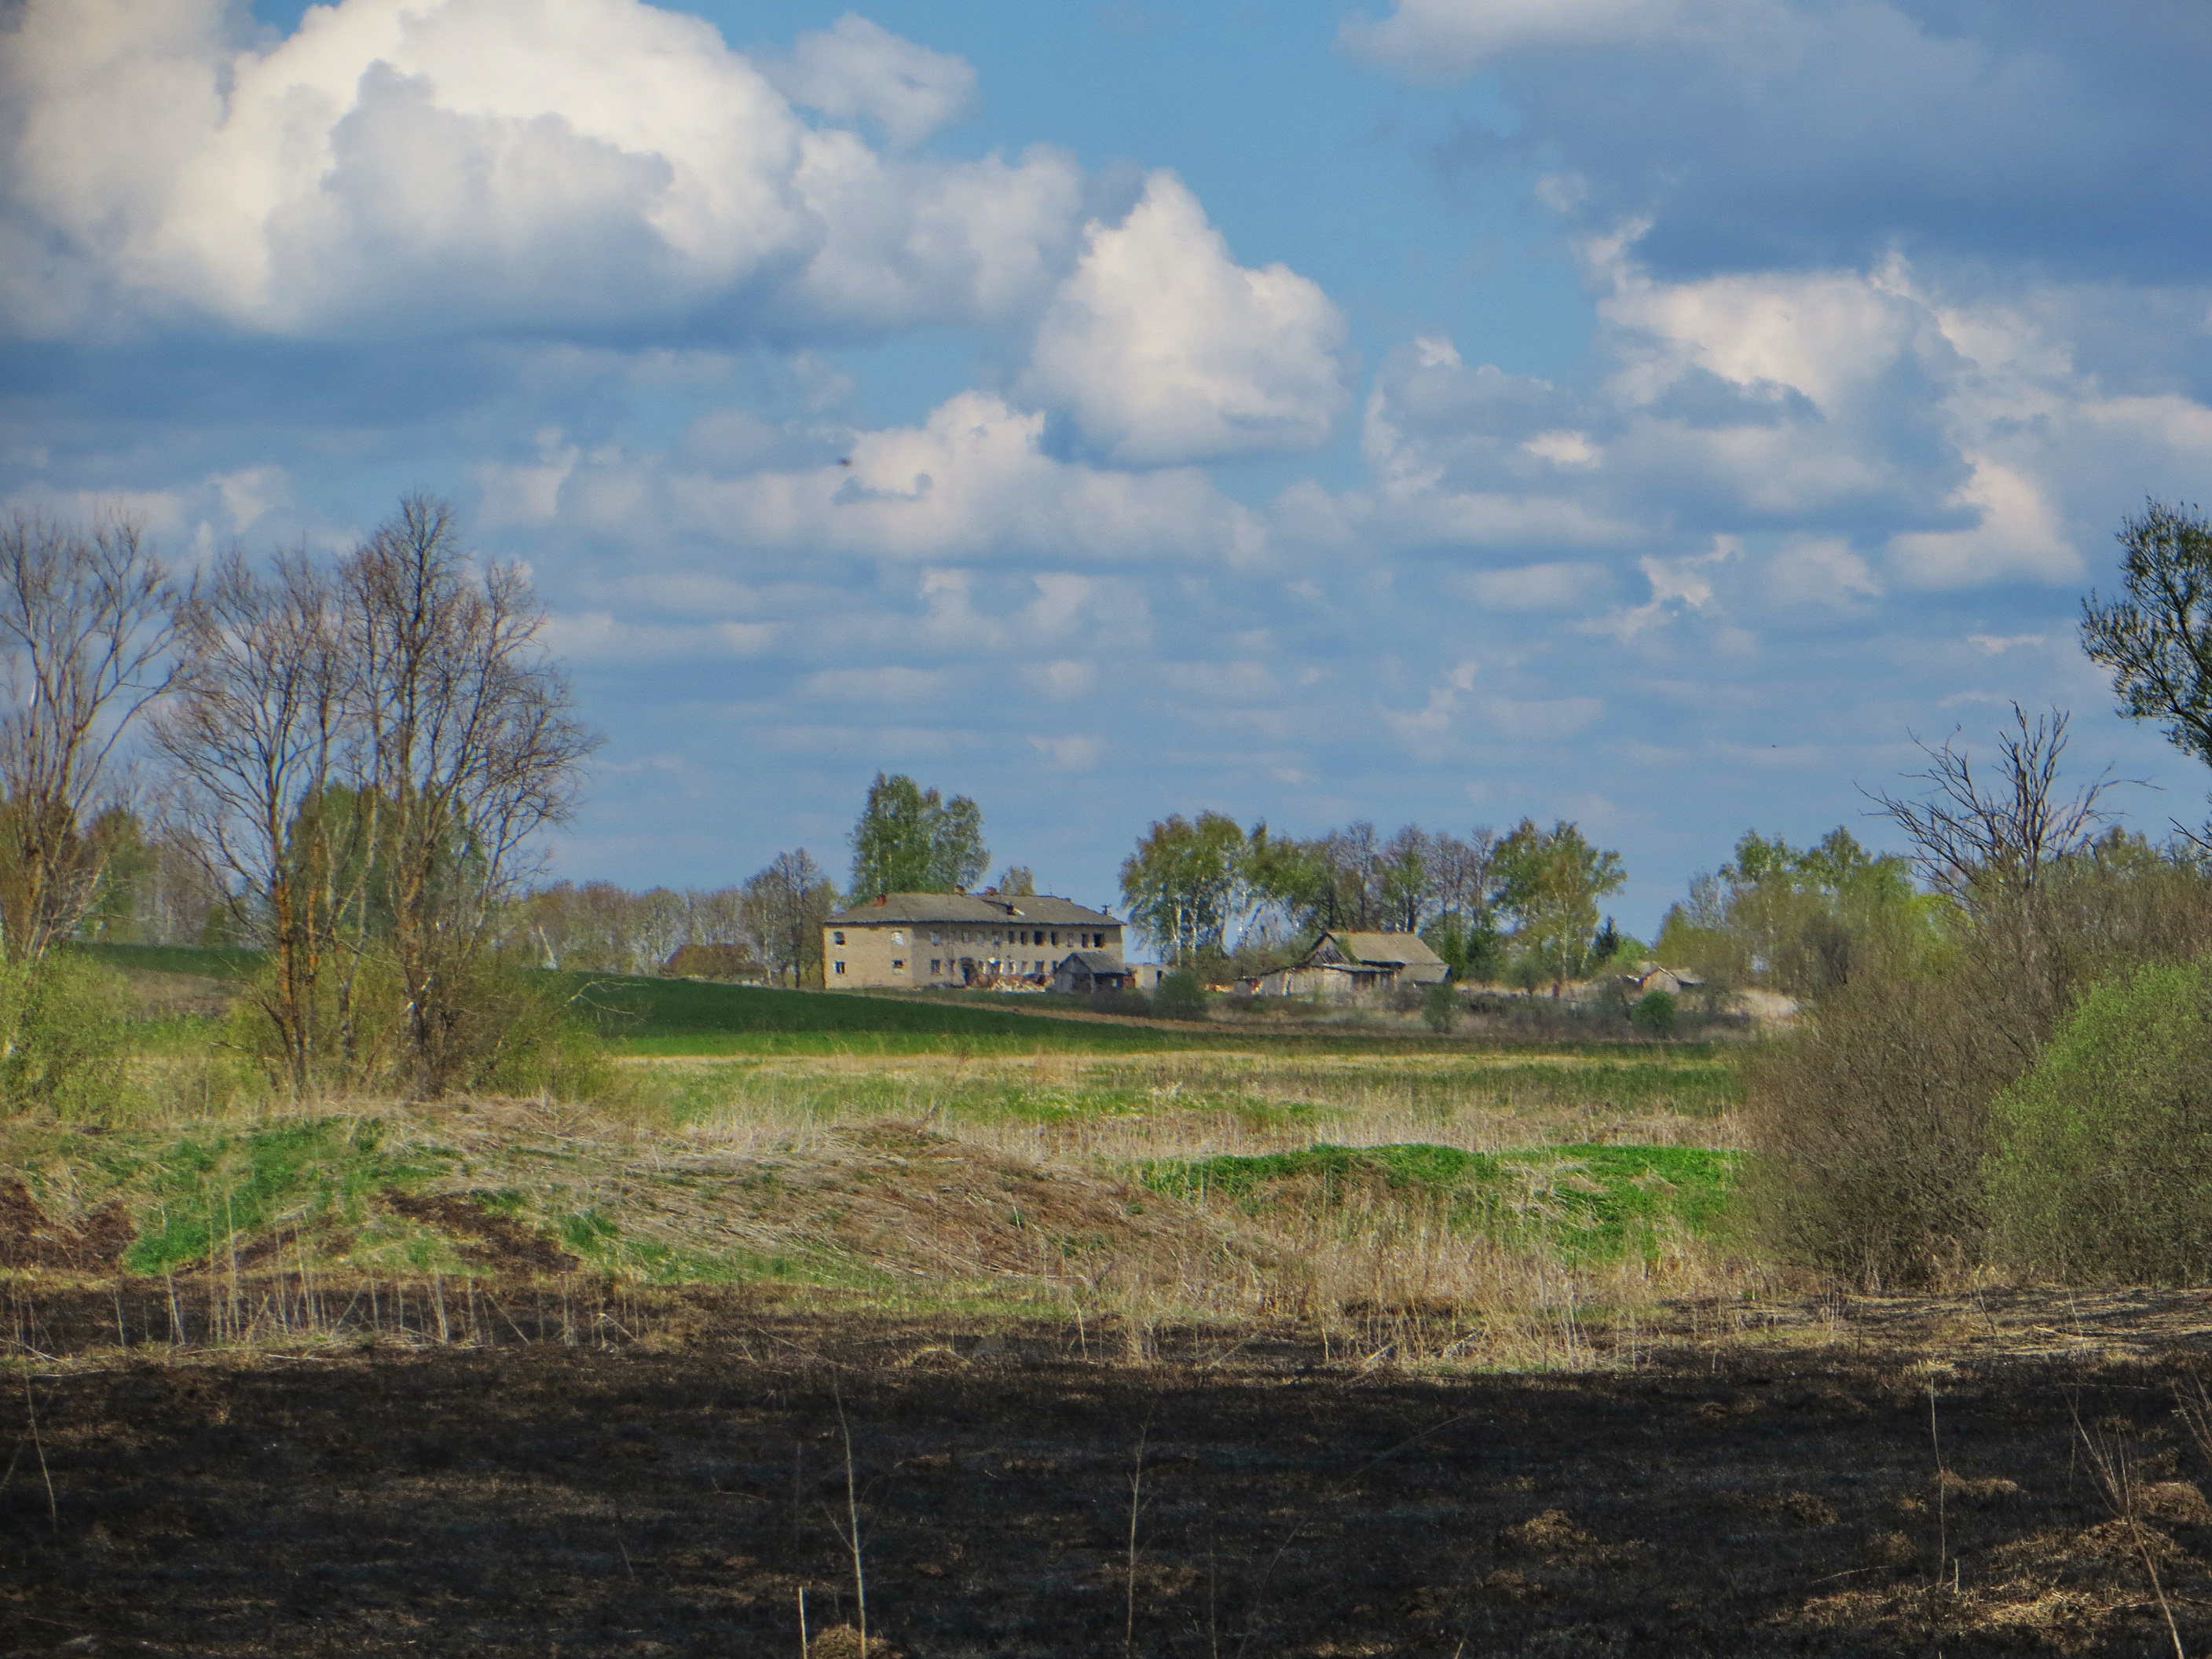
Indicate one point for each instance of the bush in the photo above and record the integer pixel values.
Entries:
(1440, 1007)
(1178, 996)
(507, 1030)
(2102, 1168)
(1653, 1013)
(64, 1038)
(1868, 1128)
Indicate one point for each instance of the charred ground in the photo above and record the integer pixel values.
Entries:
(671, 1490)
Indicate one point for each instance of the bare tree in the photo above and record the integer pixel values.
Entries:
(1973, 834)
(785, 905)
(255, 737)
(364, 756)
(467, 750)
(84, 634)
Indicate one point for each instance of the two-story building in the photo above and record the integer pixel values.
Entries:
(960, 938)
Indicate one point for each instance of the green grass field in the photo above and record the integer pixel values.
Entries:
(1592, 1204)
(207, 961)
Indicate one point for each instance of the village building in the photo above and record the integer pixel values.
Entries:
(1344, 964)
(1084, 973)
(1650, 976)
(1007, 941)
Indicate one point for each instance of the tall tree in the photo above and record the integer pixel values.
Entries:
(785, 905)
(1550, 881)
(910, 840)
(256, 734)
(467, 743)
(1186, 883)
(84, 636)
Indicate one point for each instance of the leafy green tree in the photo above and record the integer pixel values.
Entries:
(1550, 883)
(1800, 919)
(1653, 1013)
(125, 860)
(1180, 996)
(1440, 1008)
(910, 840)
(1187, 881)
(2157, 640)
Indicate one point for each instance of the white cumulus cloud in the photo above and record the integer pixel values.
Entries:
(1162, 348)
(857, 68)
(427, 165)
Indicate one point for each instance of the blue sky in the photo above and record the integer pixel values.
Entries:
(1650, 412)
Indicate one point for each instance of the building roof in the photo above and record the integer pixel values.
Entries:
(1097, 962)
(1391, 949)
(1040, 910)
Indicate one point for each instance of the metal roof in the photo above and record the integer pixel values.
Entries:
(1040, 910)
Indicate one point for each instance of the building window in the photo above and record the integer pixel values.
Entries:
(1055, 937)
(937, 939)
(840, 966)
(897, 937)
(838, 938)
(936, 965)
(898, 964)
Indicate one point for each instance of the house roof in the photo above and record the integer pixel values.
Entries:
(1390, 950)
(1038, 911)
(1097, 962)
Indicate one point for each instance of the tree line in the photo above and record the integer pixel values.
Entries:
(1224, 899)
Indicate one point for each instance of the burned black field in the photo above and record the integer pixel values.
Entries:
(541, 1499)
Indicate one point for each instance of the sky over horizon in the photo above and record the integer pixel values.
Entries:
(1648, 412)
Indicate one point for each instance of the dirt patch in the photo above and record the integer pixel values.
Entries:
(483, 1238)
(29, 1237)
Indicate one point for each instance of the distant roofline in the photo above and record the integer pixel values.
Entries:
(1038, 909)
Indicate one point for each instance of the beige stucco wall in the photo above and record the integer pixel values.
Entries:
(870, 950)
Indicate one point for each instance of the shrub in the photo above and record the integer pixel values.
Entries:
(1440, 1007)
(1868, 1128)
(2102, 1166)
(503, 1029)
(64, 1038)
(1653, 1013)
(1180, 996)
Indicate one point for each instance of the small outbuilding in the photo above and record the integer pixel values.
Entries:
(1650, 976)
(1081, 973)
(1345, 964)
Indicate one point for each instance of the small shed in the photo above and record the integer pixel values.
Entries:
(1079, 973)
(1650, 976)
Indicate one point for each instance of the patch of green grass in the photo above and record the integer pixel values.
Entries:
(672, 1016)
(1592, 1203)
(202, 1192)
(208, 961)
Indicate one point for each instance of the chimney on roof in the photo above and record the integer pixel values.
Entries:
(960, 889)
(882, 898)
